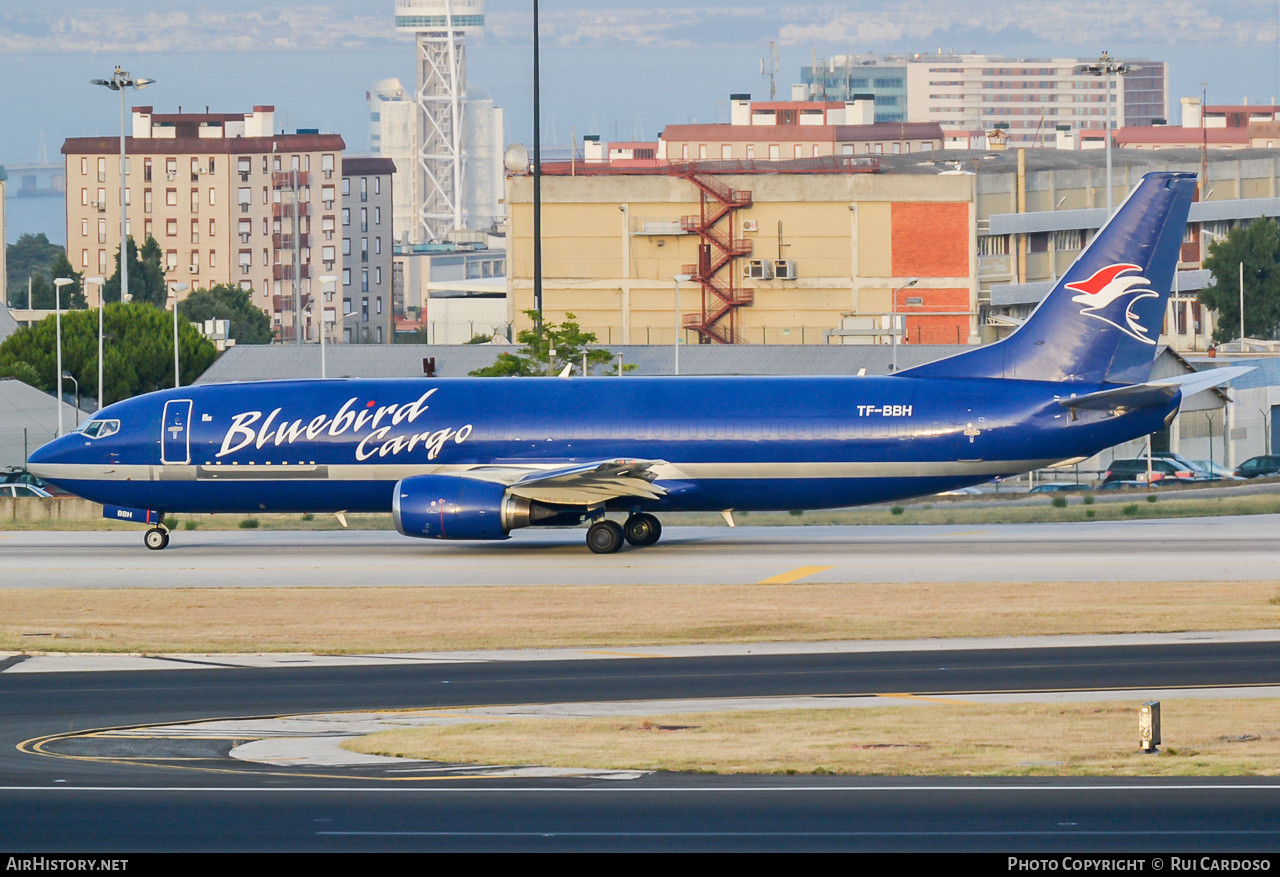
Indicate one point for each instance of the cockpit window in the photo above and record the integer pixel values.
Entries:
(101, 428)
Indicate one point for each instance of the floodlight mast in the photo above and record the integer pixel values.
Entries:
(1105, 67)
(119, 81)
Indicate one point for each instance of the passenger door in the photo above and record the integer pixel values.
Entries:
(175, 442)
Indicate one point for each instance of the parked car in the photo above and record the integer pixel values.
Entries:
(1128, 485)
(1055, 487)
(1217, 470)
(1257, 467)
(16, 475)
(1161, 469)
(22, 491)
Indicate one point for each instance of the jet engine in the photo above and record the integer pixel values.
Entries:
(453, 507)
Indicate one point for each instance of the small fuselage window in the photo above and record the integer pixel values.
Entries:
(101, 428)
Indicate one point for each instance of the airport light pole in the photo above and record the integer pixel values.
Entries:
(679, 278)
(1105, 67)
(175, 289)
(893, 319)
(70, 377)
(57, 306)
(325, 280)
(98, 282)
(119, 81)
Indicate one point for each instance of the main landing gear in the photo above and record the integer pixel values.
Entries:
(156, 538)
(606, 537)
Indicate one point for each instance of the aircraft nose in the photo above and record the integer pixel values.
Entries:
(44, 462)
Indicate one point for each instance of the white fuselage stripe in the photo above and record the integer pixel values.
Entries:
(669, 471)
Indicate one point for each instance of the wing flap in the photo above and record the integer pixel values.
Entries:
(584, 484)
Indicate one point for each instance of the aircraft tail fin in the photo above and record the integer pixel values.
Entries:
(1100, 323)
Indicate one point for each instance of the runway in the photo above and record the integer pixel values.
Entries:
(142, 791)
(1182, 549)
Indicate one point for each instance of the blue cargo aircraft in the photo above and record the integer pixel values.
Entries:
(477, 458)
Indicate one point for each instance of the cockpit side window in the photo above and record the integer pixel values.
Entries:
(101, 428)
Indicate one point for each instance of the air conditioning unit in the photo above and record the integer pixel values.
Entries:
(244, 176)
(750, 225)
(758, 269)
(785, 269)
(194, 269)
(171, 175)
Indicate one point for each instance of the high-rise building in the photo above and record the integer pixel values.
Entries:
(227, 199)
(1031, 98)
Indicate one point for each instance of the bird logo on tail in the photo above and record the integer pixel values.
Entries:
(1110, 294)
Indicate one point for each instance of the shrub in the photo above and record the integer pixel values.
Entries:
(1130, 509)
(252, 523)
(896, 510)
(1152, 498)
(1088, 500)
(1059, 502)
(190, 525)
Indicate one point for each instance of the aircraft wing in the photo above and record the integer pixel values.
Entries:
(1157, 392)
(584, 484)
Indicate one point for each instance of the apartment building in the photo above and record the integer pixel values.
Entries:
(228, 199)
(368, 242)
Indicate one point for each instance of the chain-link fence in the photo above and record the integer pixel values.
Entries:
(16, 444)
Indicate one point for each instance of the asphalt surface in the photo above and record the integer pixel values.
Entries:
(66, 787)
(1182, 549)
(70, 791)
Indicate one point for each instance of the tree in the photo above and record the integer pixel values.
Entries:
(567, 340)
(40, 262)
(138, 356)
(72, 294)
(29, 256)
(146, 276)
(249, 325)
(1257, 247)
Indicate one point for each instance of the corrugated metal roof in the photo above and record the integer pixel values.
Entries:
(28, 419)
(271, 362)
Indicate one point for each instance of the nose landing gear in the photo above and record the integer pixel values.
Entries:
(156, 538)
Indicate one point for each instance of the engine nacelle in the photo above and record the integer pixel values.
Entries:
(453, 507)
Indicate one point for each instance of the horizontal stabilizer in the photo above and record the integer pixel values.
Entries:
(1154, 393)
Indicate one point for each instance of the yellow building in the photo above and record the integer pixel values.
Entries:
(773, 257)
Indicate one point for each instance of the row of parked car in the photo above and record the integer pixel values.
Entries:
(1170, 468)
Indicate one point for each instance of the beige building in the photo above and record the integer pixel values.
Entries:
(828, 255)
(227, 198)
(773, 257)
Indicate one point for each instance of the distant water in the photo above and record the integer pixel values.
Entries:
(34, 215)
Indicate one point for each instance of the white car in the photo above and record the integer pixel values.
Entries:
(22, 490)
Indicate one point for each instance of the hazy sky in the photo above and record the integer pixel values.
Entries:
(609, 67)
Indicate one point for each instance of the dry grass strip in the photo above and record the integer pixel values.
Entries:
(366, 620)
(1201, 738)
